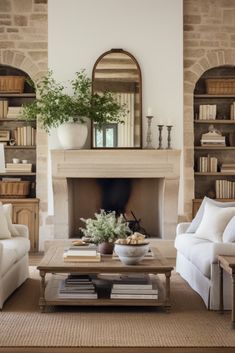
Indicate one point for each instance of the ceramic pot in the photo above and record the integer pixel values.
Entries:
(72, 135)
(131, 254)
(105, 248)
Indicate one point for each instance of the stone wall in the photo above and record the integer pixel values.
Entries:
(23, 44)
(209, 41)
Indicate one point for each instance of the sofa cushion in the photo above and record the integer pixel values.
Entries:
(214, 222)
(198, 218)
(19, 245)
(7, 209)
(229, 232)
(7, 260)
(196, 250)
(4, 231)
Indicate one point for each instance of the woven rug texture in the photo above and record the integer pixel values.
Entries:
(189, 324)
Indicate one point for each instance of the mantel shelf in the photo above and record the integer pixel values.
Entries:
(214, 95)
(214, 174)
(216, 121)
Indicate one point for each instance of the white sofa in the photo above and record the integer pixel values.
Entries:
(197, 263)
(13, 262)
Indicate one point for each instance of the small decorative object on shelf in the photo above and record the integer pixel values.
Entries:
(149, 133)
(160, 127)
(169, 127)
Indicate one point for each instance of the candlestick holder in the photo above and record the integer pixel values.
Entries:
(169, 127)
(160, 127)
(149, 133)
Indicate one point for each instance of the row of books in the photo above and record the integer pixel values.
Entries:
(208, 164)
(225, 189)
(3, 108)
(207, 112)
(74, 254)
(19, 167)
(77, 286)
(14, 112)
(25, 136)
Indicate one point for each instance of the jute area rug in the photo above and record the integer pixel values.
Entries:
(188, 324)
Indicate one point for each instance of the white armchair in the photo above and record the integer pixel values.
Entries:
(13, 262)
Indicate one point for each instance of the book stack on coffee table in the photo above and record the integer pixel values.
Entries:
(77, 286)
(81, 255)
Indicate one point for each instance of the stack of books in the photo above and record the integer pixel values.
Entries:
(19, 167)
(207, 112)
(212, 138)
(134, 291)
(3, 108)
(81, 255)
(14, 112)
(208, 164)
(228, 168)
(25, 136)
(225, 189)
(77, 286)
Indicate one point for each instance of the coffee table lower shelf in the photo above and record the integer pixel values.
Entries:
(52, 298)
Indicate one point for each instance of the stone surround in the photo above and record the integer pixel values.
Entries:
(209, 41)
(163, 165)
(23, 45)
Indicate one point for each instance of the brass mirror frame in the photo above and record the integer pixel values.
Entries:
(140, 93)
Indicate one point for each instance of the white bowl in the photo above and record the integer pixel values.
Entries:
(131, 254)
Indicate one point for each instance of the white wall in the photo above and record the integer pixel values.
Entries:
(152, 30)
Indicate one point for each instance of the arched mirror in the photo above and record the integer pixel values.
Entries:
(117, 71)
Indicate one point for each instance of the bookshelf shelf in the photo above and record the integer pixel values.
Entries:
(20, 147)
(229, 148)
(17, 95)
(216, 121)
(16, 174)
(16, 120)
(204, 95)
(214, 174)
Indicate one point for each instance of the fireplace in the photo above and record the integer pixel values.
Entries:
(144, 182)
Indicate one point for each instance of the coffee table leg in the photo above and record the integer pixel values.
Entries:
(42, 301)
(233, 300)
(221, 290)
(168, 295)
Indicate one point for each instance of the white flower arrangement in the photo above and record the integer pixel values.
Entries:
(105, 227)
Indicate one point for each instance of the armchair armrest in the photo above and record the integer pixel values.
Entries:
(182, 227)
(23, 230)
(222, 249)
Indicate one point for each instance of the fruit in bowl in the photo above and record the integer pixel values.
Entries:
(132, 249)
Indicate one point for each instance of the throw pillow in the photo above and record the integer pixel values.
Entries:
(4, 231)
(214, 222)
(7, 209)
(229, 232)
(198, 218)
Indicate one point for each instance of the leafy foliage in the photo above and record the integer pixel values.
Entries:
(55, 107)
(106, 227)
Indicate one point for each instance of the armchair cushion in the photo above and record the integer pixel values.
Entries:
(229, 232)
(4, 231)
(7, 209)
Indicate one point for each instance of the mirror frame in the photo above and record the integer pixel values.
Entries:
(140, 93)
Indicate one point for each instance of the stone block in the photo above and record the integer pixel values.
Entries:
(213, 58)
(188, 28)
(5, 22)
(38, 55)
(2, 29)
(40, 1)
(38, 17)
(32, 45)
(191, 43)
(193, 53)
(42, 8)
(22, 6)
(7, 57)
(188, 100)
(190, 76)
(5, 6)
(209, 43)
(204, 63)
(229, 17)
(20, 20)
(5, 15)
(188, 63)
(4, 37)
(12, 30)
(6, 44)
(18, 59)
(192, 19)
(220, 54)
(222, 36)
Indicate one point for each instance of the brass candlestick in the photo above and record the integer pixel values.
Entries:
(160, 127)
(149, 133)
(169, 127)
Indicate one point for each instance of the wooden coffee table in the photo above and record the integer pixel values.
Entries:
(227, 263)
(53, 263)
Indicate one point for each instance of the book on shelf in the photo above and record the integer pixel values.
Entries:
(25, 136)
(14, 112)
(232, 111)
(11, 179)
(81, 290)
(135, 291)
(3, 108)
(225, 189)
(228, 168)
(122, 286)
(19, 167)
(207, 111)
(208, 164)
(128, 279)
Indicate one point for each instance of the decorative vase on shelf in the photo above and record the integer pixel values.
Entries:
(106, 248)
(72, 135)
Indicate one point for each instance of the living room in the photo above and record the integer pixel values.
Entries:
(146, 92)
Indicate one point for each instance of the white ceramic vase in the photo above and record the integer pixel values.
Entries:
(72, 135)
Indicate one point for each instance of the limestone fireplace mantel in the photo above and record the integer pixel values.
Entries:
(161, 164)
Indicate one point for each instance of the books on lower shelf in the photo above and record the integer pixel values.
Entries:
(207, 111)
(14, 112)
(134, 291)
(80, 255)
(76, 286)
(3, 108)
(228, 168)
(225, 189)
(208, 164)
(232, 111)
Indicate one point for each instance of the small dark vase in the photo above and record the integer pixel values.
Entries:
(106, 248)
